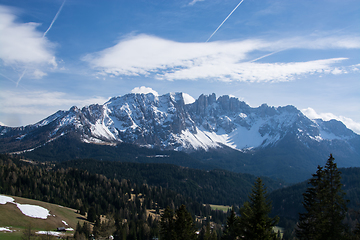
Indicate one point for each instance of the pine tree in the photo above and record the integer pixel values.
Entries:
(324, 204)
(167, 224)
(254, 221)
(232, 227)
(91, 217)
(184, 226)
(309, 221)
(178, 226)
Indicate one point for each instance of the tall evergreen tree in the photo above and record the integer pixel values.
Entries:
(167, 225)
(310, 221)
(254, 221)
(178, 226)
(232, 226)
(91, 217)
(324, 204)
(184, 226)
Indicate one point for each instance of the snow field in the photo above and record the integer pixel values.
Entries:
(6, 199)
(33, 211)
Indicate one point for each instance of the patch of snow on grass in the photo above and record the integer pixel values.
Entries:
(65, 223)
(5, 229)
(33, 211)
(52, 233)
(6, 199)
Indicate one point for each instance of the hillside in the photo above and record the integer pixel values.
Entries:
(95, 193)
(15, 220)
(69, 148)
(209, 187)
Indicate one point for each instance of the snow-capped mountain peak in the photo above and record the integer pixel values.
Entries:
(176, 121)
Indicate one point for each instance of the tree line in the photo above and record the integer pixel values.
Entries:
(213, 186)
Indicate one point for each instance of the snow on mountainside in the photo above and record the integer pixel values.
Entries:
(223, 132)
(175, 121)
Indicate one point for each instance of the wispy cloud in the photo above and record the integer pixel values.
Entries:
(40, 103)
(23, 46)
(21, 43)
(222, 60)
(349, 123)
(194, 1)
(11, 100)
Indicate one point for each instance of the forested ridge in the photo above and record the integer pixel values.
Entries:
(70, 147)
(212, 187)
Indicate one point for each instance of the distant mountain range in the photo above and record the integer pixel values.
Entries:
(222, 132)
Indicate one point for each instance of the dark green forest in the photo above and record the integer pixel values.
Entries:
(212, 187)
(84, 191)
(127, 190)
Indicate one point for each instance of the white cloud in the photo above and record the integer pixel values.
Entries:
(22, 45)
(252, 71)
(145, 90)
(349, 123)
(318, 42)
(222, 60)
(194, 1)
(21, 108)
(39, 74)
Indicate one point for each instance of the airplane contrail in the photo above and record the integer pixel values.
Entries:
(47, 30)
(21, 76)
(56, 16)
(224, 20)
(254, 60)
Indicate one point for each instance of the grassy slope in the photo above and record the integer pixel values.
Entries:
(12, 217)
(220, 207)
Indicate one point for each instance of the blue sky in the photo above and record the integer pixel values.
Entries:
(56, 54)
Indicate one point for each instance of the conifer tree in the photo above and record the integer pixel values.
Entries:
(232, 227)
(167, 224)
(309, 221)
(324, 204)
(184, 226)
(178, 226)
(254, 221)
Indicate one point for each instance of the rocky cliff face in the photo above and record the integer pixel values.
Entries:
(168, 123)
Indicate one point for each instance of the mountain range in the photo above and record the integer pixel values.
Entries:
(224, 132)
